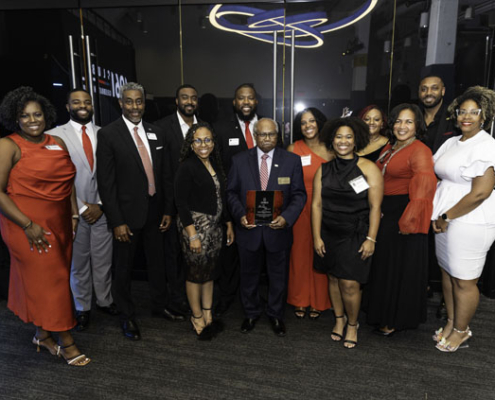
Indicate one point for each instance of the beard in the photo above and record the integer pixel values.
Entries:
(434, 104)
(183, 111)
(83, 121)
(243, 117)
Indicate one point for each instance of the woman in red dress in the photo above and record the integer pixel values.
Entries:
(307, 288)
(37, 200)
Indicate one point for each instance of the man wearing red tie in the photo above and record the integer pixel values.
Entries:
(92, 251)
(136, 190)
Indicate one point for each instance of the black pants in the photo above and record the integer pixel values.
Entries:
(124, 260)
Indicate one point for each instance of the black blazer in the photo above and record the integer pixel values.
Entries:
(121, 177)
(195, 190)
(231, 140)
(173, 137)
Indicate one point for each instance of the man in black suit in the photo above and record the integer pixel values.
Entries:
(136, 191)
(234, 136)
(175, 127)
(265, 167)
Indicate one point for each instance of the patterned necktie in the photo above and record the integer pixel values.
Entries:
(264, 172)
(145, 158)
(249, 137)
(88, 148)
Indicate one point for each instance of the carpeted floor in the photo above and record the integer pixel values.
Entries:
(169, 363)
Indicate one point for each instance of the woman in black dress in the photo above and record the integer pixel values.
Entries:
(200, 201)
(375, 118)
(347, 193)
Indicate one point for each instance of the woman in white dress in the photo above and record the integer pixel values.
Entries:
(464, 212)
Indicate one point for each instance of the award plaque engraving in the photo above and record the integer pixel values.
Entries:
(263, 206)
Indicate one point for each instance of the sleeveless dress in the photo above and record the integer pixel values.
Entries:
(40, 184)
(345, 222)
(306, 286)
(202, 267)
(373, 156)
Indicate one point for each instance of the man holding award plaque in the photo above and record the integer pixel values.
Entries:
(265, 194)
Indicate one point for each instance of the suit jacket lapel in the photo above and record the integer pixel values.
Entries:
(148, 129)
(71, 135)
(274, 174)
(177, 130)
(253, 166)
(129, 142)
(239, 134)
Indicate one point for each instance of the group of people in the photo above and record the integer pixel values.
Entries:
(358, 197)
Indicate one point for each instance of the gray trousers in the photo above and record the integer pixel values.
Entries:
(91, 265)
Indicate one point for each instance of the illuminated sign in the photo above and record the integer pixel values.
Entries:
(260, 24)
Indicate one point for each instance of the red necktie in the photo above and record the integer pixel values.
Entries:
(88, 148)
(264, 172)
(249, 137)
(145, 158)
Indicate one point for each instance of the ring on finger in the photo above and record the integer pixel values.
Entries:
(39, 241)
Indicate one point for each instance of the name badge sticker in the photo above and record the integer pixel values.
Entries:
(359, 184)
(284, 180)
(306, 160)
(53, 147)
(152, 136)
(233, 141)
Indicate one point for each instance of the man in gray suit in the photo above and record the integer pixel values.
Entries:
(92, 252)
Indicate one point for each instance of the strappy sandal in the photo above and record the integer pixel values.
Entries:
(339, 335)
(300, 312)
(39, 343)
(216, 325)
(444, 345)
(205, 333)
(353, 342)
(437, 337)
(314, 314)
(78, 361)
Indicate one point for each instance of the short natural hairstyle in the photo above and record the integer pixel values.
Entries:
(319, 118)
(255, 126)
(75, 91)
(184, 86)
(13, 105)
(245, 85)
(131, 86)
(419, 120)
(484, 97)
(357, 126)
(430, 75)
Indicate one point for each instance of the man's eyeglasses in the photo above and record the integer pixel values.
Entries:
(473, 113)
(206, 141)
(264, 135)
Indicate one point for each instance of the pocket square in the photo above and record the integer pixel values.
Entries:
(159, 147)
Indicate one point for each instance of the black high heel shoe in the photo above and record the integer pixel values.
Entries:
(203, 334)
(215, 324)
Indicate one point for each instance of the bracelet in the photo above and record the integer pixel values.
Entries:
(28, 225)
(75, 216)
(193, 237)
(369, 238)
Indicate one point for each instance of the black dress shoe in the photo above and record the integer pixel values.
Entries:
(278, 326)
(82, 318)
(248, 325)
(110, 310)
(169, 314)
(221, 308)
(130, 329)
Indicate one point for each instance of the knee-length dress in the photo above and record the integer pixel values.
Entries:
(306, 287)
(462, 249)
(345, 221)
(396, 293)
(40, 185)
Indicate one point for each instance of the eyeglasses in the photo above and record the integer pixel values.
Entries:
(206, 141)
(473, 113)
(271, 135)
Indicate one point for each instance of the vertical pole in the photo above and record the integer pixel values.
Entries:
(292, 73)
(90, 73)
(274, 75)
(72, 68)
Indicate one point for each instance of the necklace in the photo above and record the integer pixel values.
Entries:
(375, 139)
(392, 152)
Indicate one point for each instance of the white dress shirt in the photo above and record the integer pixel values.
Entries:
(242, 124)
(141, 133)
(183, 125)
(89, 131)
(268, 160)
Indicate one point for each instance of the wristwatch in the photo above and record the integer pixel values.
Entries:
(445, 218)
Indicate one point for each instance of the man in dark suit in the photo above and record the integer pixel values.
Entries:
(265, 167)
(136, 190)
(175, 128)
